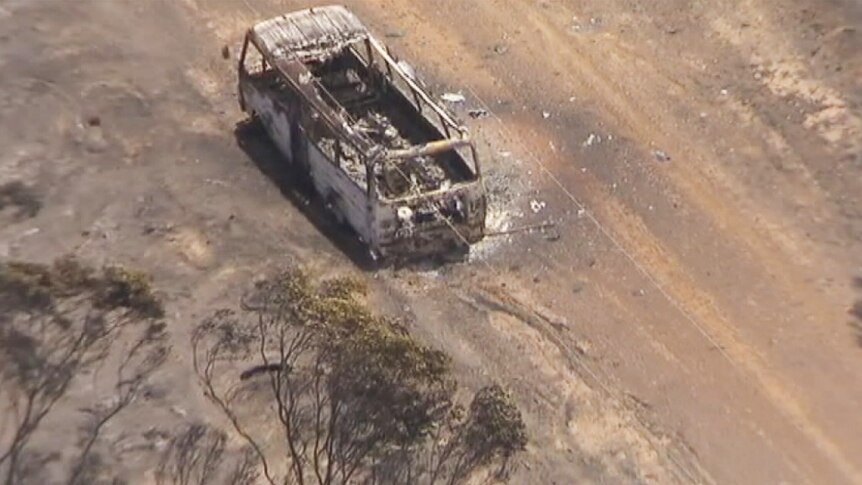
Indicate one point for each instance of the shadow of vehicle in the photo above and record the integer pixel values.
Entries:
(297, 188)
(252, 138)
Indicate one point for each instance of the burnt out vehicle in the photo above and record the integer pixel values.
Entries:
(384, 156)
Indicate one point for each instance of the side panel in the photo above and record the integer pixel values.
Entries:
(274, 114)
(342, 195)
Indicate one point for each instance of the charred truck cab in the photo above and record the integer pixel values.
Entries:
(387, 159)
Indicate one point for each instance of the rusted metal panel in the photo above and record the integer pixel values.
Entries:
(275, 118)
(313, 32)
(337, 190)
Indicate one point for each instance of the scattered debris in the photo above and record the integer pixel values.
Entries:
(423, 172)
(593, 24)
(454, 98)
(537, 206)
(546, 114)
(394, 34)
(505, 154)
(179, 411)
(583, 346)
(591, 140)
(530, 228)
(661, 156)
(478, 113)
(551, 234)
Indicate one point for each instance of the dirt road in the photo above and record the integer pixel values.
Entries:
(686, 319)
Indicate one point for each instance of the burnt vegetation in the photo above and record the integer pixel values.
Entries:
(57, 323)
(315, 387)
(353, 397)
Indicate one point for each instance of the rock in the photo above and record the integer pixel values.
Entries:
(592, 140)
(551, 235)
(93, 140)
(661, 156)
(454, 98)
(179, 411)
(536, 206)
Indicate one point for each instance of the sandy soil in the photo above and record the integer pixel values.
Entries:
(688, 318)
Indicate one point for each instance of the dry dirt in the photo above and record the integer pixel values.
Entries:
(689, 318)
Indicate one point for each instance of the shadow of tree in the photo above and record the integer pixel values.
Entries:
(199, 454)
(21, 198)
(57, 323)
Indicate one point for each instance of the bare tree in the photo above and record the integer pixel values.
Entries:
(355, 397)
(57, 321)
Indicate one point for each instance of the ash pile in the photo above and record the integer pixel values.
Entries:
(395, 177)
(400, 177)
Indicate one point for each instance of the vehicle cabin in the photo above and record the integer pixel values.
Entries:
(385, 157)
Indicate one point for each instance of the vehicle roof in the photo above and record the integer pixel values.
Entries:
(309, 32)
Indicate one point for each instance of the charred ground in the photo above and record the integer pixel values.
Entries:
(689, 324)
